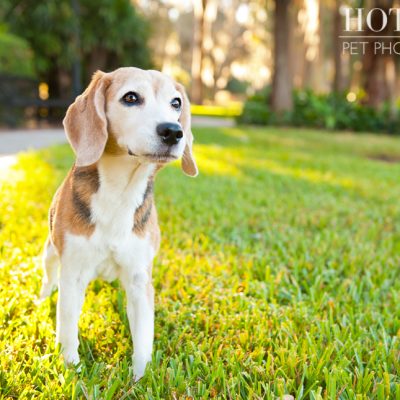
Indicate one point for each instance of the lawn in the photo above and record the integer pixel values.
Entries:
(279, 273)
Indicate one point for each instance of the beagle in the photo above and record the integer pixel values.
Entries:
(124, 128)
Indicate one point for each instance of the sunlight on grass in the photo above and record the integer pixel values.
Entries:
(6, 162)
(213, 161)
(310, 175)
(275, 276)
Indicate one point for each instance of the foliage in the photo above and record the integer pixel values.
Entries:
(329, 111)
(16, 57)
(16, 75)
(49, 26)
(235, 85)
(255, 112)
(278, 274)
(117, 28)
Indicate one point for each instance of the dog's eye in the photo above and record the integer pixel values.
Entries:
(176, 103)
(131, 99)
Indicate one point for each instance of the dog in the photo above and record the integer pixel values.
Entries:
(123, 129)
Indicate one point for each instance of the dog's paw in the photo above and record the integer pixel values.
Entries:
(71, 358)
(138, 373)
(139, 367)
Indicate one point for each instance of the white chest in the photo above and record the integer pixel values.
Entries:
(121, 191)
(114, 247)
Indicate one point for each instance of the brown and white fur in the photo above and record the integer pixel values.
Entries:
(103, 222)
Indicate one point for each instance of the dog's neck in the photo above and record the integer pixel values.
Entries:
(123, 172)
(123, 183)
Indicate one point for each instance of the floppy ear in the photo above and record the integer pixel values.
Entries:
(189, 166)
(85, 122)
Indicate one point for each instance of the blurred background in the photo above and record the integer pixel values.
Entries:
(258, 61)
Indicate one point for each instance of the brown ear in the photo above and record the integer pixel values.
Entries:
(85, 122)
(189, 166)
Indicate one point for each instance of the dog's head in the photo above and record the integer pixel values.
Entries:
(131, 111)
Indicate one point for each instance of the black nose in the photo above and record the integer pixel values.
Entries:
(170, 133)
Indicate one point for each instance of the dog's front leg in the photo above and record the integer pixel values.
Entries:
(71, 294)
(140, 310)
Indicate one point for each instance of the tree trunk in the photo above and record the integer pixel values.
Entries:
(338, 84)
(281, 99)
(97, 59)
(374, 65)
(198, 52)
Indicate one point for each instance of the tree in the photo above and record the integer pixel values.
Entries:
(198, 51)
(16, 57)
(337, 48)
(374, 62)
(112, 34)
(281, 98)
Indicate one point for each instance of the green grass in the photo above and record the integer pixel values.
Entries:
(279, 273)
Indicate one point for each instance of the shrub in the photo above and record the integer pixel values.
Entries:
(16, 57)
(255, 112)
(16, 68)
(237, 86)
(328, 111)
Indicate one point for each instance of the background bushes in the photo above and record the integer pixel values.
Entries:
(328, 111)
